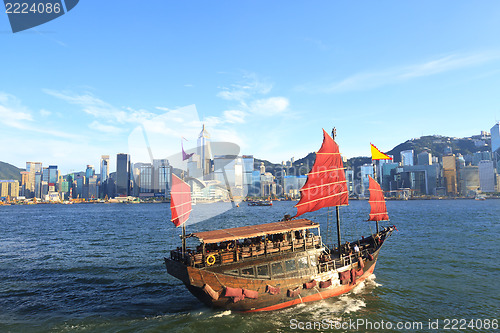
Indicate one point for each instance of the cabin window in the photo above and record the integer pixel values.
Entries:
(314, 261)
(248, 271)
(277, 268)
(290, 265)
(302, 263)
(263, 270)
(232, 272)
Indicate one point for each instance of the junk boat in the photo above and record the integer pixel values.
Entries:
(275, 265)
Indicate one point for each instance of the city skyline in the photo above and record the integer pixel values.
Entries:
(381, 73)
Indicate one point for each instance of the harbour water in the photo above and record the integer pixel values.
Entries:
(99, 268)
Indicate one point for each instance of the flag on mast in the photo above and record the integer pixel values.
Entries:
(184, 155)
(378, 155)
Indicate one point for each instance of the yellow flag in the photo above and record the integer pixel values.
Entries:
(378, 155)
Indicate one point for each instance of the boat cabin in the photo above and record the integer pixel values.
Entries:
(225, 246)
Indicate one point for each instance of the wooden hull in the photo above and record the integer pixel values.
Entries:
(195, 279)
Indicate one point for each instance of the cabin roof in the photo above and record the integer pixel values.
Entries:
(224, 235)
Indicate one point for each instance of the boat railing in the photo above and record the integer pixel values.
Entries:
(345, 260)
(242, 252)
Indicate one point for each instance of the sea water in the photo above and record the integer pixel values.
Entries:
(99, 268)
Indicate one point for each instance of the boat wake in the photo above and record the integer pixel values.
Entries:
(222, 314)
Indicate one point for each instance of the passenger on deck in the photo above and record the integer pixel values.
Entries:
(356, 249)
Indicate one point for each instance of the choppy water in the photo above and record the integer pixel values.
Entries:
(99, 268)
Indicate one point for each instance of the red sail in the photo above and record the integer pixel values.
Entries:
(326, 185)
(180, 201)
(377, 202)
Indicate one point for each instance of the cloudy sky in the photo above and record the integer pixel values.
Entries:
(108, 76)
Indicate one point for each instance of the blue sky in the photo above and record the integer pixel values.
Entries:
(265, 75)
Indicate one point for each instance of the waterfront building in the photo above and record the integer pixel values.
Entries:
(143, 173)
(292, 184)
(469, 180)
(248, 165)
(366, 170)
(450, 174)
(123, 175)
(29, 183)
(407, 157)
(104, 168)
(349, 177)
(388, 173)
(9, 189)
(232, 180)
(495, 138)
(422, 179)
(89, 172)
(162, 177)
(424, 158)
(486, 176)
(53, 175)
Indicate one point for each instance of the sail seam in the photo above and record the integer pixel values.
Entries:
(178, 217)
(309, 188)
(312, 173)
(324, 198)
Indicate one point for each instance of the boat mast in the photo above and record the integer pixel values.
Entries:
(375, 177)
(334, 135)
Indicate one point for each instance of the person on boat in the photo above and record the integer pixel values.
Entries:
(356, 249)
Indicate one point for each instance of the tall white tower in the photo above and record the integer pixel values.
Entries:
(204, 151)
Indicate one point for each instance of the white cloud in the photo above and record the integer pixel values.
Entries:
(12, 112)
(248, 95)
(371, 80)
(101, 109)
(269, 106)
(234, 116)
(108, 129)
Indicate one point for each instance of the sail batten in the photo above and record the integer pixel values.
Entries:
(326, 184)
(378, 210)
(180, 201)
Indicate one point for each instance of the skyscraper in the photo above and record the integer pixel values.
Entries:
(29, 187)
(407, 157)
(123, 174)
(104, 168)
(450, 173)
(486, 176)
(204, 151)
(495, 137)
(495, 144)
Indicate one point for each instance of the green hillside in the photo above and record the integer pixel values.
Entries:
(9, 172)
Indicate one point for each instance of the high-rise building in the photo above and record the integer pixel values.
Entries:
(29, 186)
(366, 170)
(162, 177)
(89, 172)
(248, 162)
(407, 157)
(450, 174)
(104, 168)
(424, 158)
(53, 175)
(486, 176)
(469, 180)
(495, 137)
(204, 151)
(123, 175)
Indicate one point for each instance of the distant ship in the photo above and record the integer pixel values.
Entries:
(275, 265)
(260, 203)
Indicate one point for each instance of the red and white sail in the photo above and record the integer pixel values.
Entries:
(326, 184)
(378, 210)
(180, 201)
